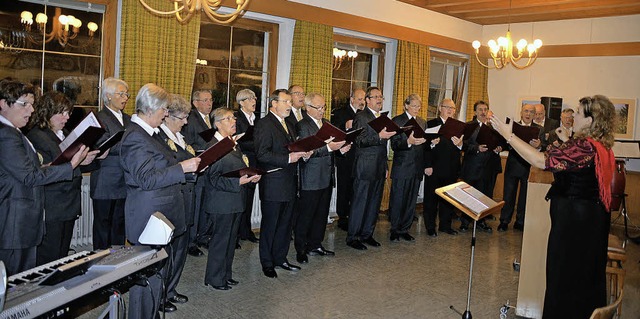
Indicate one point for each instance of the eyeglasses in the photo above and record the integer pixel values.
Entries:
(180, 118)
(249, 99)
(529, 111)
(377, 97)
(204, 100)
(297, 93)
(123, 94)
(448, 107)
(285, 101)
(317, 107)
(24, 104)
(227, 118)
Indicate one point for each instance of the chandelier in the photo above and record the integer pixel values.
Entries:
(339, 55)
(65, 28)
(502, 50)
(185, 9)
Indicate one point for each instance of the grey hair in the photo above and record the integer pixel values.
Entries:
(309, 97)
(196, 94)
(109, 86)
(178, 104)
(412, 97)
(151, 98)
(244, 95)
(220, 113)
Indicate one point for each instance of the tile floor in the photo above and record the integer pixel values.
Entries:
(418, 279)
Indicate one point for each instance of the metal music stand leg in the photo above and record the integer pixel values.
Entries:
(467, 312)
(113, 309)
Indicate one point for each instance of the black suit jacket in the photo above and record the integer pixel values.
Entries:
(21, 191)
(516, 165)
(408, 162)
(195, 124)
(317, 172)
(545, 133)
(476, 162)
(153, 176)
(291, 119)
(371, 151)
(339, 119)
(270, 140)
(444, 158)
(247, 146)
(62, 199)
(107, 181)
(224, 195)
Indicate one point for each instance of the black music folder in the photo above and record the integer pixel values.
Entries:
(490, 137)
(328, 131)
(526, 133)
(249, 171)
(110, 142)
(87, 133)
(215, 152)
(416, 129)
(451, 128)
(383, 121)
(207, 135)
(246, 136)
(306, 144)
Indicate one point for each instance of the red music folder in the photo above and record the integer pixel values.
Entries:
(491, 138)
(526, 133)
(249, 171)
(215, 152)
(451, 128)
(383, 121)
(306, 144)
(416, 129)
(87, 133)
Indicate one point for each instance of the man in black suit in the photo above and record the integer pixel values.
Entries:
(316, 184)
(369, 172)
(442, 162)
(548, 124)
(516, 171)
(22, 178)
(343, 119)
(297, 102)
(246, 117)
(277, 189)
(566, 124)
(406, 171)
(108, 190)
(199, 120)
(480, 165)
(154, 177)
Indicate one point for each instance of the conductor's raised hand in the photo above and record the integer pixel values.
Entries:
(563, 134)
(503, 128)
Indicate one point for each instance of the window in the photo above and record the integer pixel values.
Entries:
(232, 58)
(446, 79)
(360, 72)
(45, 57)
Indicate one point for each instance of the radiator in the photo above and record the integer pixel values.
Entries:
(83, 230)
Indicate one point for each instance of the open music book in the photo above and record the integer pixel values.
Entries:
(87, 133)
(469, 200)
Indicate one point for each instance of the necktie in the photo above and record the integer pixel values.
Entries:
(377, 114)
(245, 159)
(284, 125)
(207, 121)
(319, 124)
(298, 116)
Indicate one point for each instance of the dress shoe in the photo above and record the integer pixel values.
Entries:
(449, 231)
(407, 237)
(253, 239)
(270, 272)
(223, 287)
(178, 298)
(302, 258)
(357, 245)
(432, 233)
(232, 282)
(195, 251)
(320, 251)
(290, 267)
(484, 227)
(503, 227)
(169, 307)
(343, 224)
(238, 246)
(519, 227)
(463, 228)
(371, 242)
(394, 237)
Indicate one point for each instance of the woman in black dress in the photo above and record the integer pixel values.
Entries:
(580, 205)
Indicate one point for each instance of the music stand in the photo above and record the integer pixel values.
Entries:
(475, 205)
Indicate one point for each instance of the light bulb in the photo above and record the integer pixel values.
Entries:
(531, 48)
(537, 43)
(63, 19)
(521, 44)
(26, 17)
(76, 23)
(92, 26)
(475, 44)
(41, 18)
(503, 42)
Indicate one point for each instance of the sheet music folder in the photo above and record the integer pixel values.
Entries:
(526, 133)
(383, 121)
(416, 129)
(490, 137)
(208, 134)
(87, 133)
(306, 144)
(451, 128)
(215, 152)
(249, 171)
(328, 131)
(469, 200)
(110, 142)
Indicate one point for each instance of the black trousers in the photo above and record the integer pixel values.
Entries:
(244, 229)
(178, 258)
(56, 241)
(198, 232)
(275, 232)
(312, 220)
(365, 206)
(402, 205)
(18, 260)
(576, 258)
(434, 205)
(222, 247)
(108, 223)
(511, 183)
(344, 189)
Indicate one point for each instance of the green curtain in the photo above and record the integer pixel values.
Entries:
(311, 65)
(412, 75)
(478, 79)
(157, 49)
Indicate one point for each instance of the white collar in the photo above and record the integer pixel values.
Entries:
(146, 127)
(276, 115)
(408, 115)
(376, 114)
(354, 109)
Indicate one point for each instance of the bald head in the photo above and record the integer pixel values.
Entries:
(540, 114)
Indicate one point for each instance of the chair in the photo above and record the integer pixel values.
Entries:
(616, 256)
(608, 312)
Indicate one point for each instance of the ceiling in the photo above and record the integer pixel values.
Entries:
(486, 12)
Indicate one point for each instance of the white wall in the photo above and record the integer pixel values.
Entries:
(569, 78)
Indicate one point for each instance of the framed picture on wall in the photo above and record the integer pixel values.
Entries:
(625, 118)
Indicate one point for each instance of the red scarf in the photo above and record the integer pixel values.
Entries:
(605, 165)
